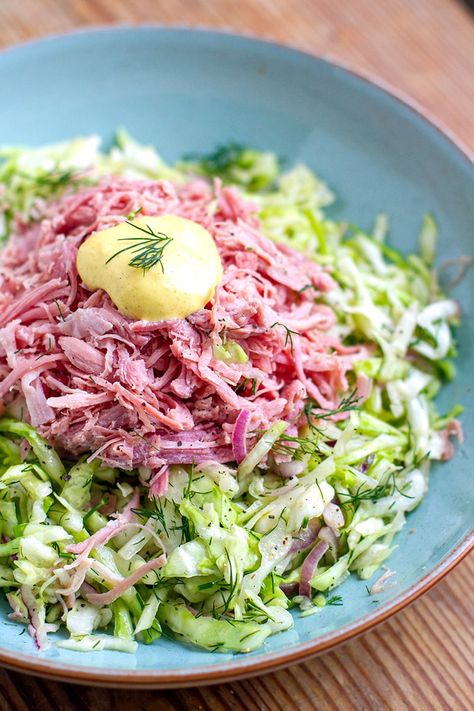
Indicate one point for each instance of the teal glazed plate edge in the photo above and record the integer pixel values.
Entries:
(186, 91)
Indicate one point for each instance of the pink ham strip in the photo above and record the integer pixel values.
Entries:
(17, 614)
(30, 298)
(83, 355)
(38, 408)
(159, 483)
(25, 366)
(37, 628)
(79, 400)
(103, 536)
(108, 597)
(77, 579)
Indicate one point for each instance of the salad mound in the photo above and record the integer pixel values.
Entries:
(318, 362)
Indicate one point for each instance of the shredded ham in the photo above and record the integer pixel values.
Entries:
(37, 628)
(148, 394)
(18, 615)
(452, 431)
(76, 579)
(104, 535)
(119, 589)
(380, 584)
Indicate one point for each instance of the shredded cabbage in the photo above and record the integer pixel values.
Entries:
(231, 536)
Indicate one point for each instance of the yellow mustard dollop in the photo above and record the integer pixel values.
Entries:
(180, 283)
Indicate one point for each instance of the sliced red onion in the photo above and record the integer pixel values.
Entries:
(305, 536)
(239, 435)
(309, 566)
(333, 516)
(289, 588)
(329, 536)
(367, 463)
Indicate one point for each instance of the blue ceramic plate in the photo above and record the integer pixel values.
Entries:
(187, 91)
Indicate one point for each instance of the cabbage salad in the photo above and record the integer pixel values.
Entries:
(230, 551)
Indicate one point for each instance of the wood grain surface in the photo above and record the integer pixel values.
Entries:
(423, 658)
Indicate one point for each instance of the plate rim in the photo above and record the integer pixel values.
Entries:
(272, 661)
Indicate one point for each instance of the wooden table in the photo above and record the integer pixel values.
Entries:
(423, 658)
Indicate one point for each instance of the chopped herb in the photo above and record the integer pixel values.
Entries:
(335, 600)
(68, 556)
(156, 512)
(59, 309)
(389, 488)
(206, 586)
(147, 251)
(134, 213)
(305, 288)
(241, 386)
(289, 334)
(314, 411)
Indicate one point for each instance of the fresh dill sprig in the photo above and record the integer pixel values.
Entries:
(104, 500)
(147, 251)
(305, 288)
(289, 334)
(232, 585)
(335, 600)
(156, 513)
(188, 493)
(254, 613)
(167, 583)
(389, 488)
(296, 446)
(243, 386)
(134, 213)
(184, 526)
(68, 556)
(313, 411)
(60, 313)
